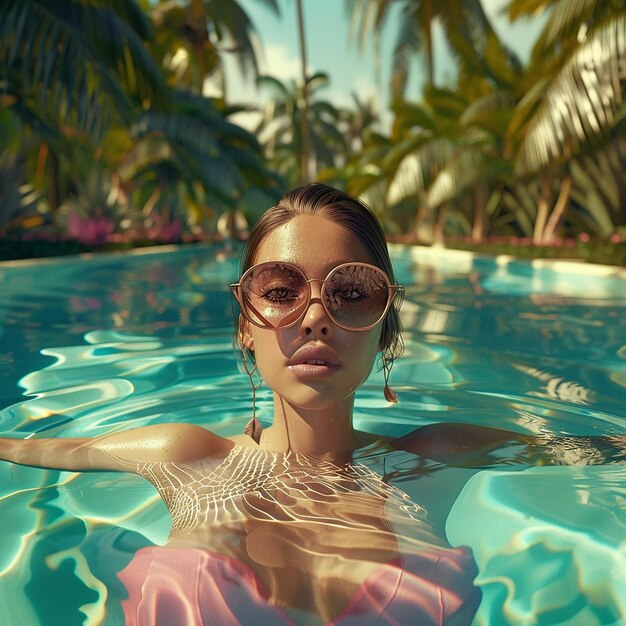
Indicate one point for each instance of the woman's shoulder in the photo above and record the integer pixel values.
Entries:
(243, 440)
(178, 442)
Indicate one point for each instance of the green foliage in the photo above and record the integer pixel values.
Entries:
(191, 38)
(101, 112)
(594, 251)
(530, 151)
(89, 127)
(76, 63)
(280, 129)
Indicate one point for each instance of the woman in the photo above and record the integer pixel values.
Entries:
(289, 524)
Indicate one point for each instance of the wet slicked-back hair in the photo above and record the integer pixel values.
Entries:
(348, 212)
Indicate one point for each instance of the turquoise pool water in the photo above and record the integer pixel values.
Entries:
(94, 345)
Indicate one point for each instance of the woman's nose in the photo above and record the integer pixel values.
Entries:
(316, 320)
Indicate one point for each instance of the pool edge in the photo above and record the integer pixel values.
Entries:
(564, 266)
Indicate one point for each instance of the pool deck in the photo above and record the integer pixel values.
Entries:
(465, 258)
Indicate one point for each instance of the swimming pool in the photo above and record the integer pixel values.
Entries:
(116, 341)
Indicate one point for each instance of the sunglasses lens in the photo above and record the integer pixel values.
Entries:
(356, 296)
(274, 294)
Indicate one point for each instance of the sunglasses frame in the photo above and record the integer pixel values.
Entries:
(392, 291)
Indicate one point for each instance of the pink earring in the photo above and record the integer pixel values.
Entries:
(252, 428)
(390, 394)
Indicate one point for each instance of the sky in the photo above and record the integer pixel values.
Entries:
(351, 70)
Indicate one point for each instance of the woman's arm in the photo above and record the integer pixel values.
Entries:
(454, 442)
(120, 452)
(468, 444)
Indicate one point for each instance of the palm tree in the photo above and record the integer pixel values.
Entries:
(280, 129)
(574, 97)
(100, 104)
(464, 22)
(577, 71)
(69, 69)
(196, 151)
(305, 157)
(193, 37)
(75, 62)
(445, 156)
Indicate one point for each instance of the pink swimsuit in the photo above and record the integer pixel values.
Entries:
(177, 586)
(193, 587)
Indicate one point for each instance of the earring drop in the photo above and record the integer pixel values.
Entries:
(252, 428)
(390, 394)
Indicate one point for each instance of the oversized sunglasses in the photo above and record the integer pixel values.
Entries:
(356, 296)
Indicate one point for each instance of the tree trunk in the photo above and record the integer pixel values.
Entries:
(558, 211)
(428, 40)
(491, 205)
(478, 227)
(304, 106)
(417, 226)
(54, 194)
(197, 34)
(543, 204)
(438, 235)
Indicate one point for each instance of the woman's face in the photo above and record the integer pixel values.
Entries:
(316, 245)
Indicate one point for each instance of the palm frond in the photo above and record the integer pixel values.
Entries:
(520, 200)
(373, 193)
(146, 153)
(501, 63)
(234, 28)
(390, 155)
(579, 104)
(446, 102)
(31, 116)
(419, 168)
(407, 181)
(317, 80)
(408, 41)
(526, 8)
(564, 22)
(461, 171)
(276, 87)
(366, 16)
(132, 14)
(410, 117)
(483, 110)
(598, 184)
(78, 59)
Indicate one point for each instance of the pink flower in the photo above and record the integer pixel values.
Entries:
(92, 231)
(170, 231)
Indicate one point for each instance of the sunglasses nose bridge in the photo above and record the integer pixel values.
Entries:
(315, 280)
(315, 294)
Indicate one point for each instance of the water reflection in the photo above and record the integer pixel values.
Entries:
(571, 539)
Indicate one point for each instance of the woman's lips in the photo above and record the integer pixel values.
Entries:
(313, 369)
(313, 361)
